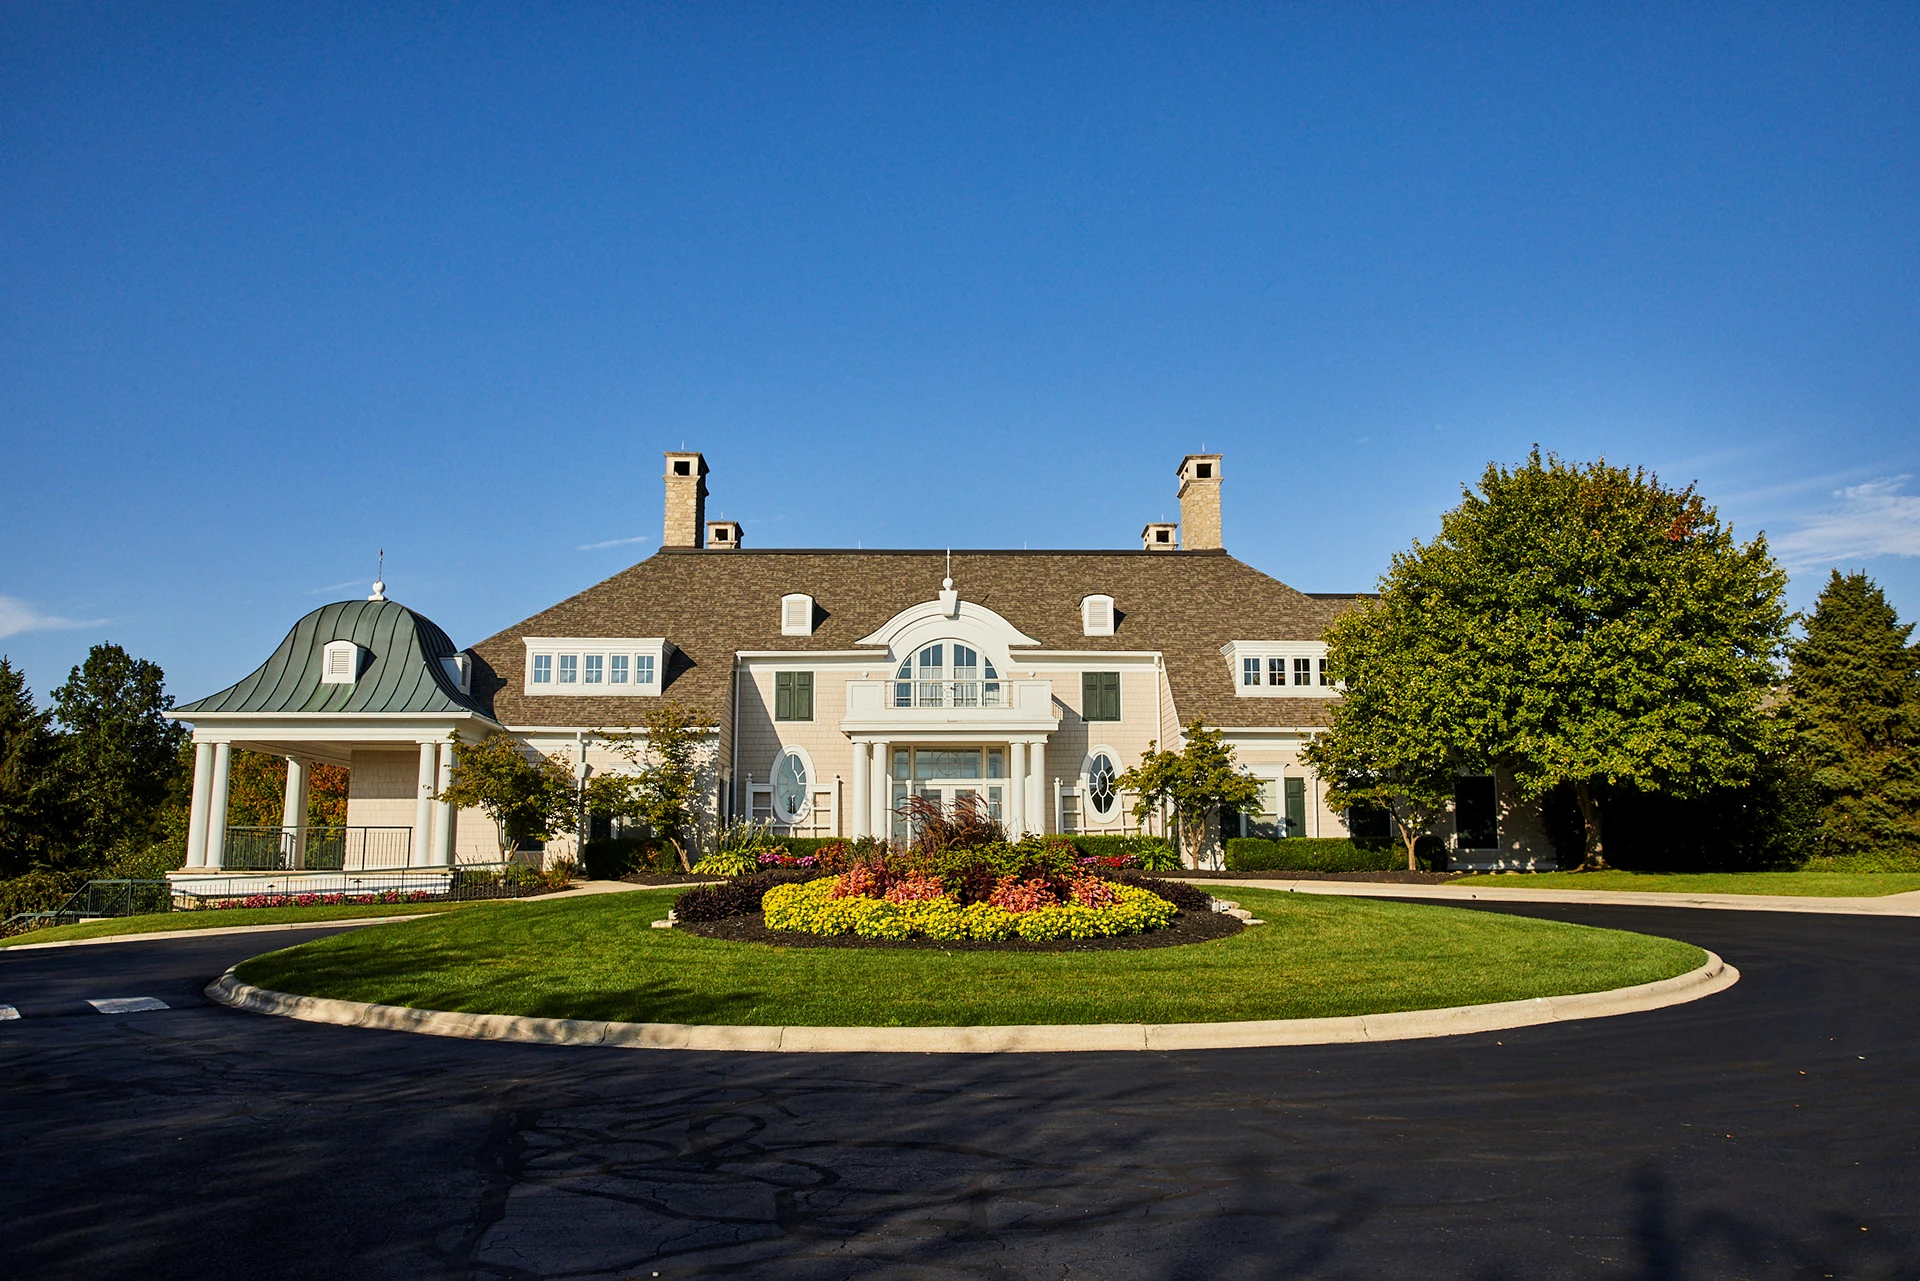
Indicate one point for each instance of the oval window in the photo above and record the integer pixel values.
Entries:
(791, 796)
(1100, 774)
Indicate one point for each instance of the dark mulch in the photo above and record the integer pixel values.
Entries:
(664, 878)
(1282, 874)
(1187, 927)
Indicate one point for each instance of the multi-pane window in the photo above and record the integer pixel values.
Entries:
(793, 696)
(1249, 671)
(617, 669)
(1276, 671)
(569, 669)
(1323, 673)
(543, 669)
(1303, 671)
(595, 664)
(643, 669)
(1100, 696)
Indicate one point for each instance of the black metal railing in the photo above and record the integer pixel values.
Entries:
(316, 849)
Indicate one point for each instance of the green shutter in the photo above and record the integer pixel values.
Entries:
(1296, 807)
(1100, 696)
(783, 696)
(803, 696)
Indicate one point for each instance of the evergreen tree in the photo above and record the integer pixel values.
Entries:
(119, 751)
(29, 775)
(1855, 705)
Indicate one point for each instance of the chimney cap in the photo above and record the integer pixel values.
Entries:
(1200, 467)
(725, 533)
(1160, 536)
(685, 463)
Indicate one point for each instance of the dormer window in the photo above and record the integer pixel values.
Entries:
(598, 666)
(459, 670)
(1096, 616)
(340, 663)
(796, 614)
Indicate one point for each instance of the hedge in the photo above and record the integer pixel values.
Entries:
(611, 858)
(1310, 854)
(1090, 845)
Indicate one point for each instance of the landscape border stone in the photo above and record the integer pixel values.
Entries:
(1712, 977)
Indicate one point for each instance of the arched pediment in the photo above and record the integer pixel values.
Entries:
(928, 621)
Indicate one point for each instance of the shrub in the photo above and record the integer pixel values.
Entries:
(41, 891)
(738, 897)
(1884, 861)
(1149, 853)
(1188, 898)
(812, 908)
(1307, 854)
(611, 858)
(728, 863)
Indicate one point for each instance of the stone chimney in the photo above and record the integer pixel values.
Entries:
(1200, 501)
(686, 500)
(724, 535)
(1160, 536)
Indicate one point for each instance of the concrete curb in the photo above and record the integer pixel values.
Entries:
(1905, 904)
(1715, 976)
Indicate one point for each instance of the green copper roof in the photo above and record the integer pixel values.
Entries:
(400, 669)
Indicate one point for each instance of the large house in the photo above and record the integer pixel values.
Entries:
(836, 682)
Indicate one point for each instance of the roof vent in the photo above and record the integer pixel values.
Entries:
(796, 614)
(1096, 616)
(340, 663)
(459, 669)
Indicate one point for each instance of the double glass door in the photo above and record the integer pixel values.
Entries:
(949, 777)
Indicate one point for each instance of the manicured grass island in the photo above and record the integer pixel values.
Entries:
(599, 958)
(165, 922)
(1797, 884)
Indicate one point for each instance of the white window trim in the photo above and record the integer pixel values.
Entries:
(796, 604)
(1236, 652)
(773, 782)
(1089, 816)
(1096, 615)
(602, 647)
(334, 672)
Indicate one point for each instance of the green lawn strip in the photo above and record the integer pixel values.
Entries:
(1797, 884)
(212, 919)
(1317, 956)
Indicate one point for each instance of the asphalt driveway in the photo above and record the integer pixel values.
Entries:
(1770, 1131)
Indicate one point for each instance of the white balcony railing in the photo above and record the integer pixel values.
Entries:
(1014, 705)
(955, 693)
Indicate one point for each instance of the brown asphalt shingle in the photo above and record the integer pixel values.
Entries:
(710, 604)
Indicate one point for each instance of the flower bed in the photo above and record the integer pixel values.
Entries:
(314, 900)
(918, 906)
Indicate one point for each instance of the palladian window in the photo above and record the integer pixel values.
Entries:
(926, 680)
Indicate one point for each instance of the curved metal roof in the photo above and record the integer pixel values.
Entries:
(403, 672)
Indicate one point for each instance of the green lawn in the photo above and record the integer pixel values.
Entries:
(1801, 884)
(598, 959)
(162, 922)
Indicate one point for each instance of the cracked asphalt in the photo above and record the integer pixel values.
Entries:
(1770, 1131)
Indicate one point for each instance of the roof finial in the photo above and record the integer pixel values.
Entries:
(379, 581)
(947, 581)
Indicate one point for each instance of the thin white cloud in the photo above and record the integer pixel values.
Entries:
(334, 587)
(1871, 519)
(17, 616)
(613, 542)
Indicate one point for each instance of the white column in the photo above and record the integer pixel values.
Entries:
(1037, 795)
(862, 780)
(217, 804)
(882, 790)
(293, 814)
(197, 816)
(423, 806)
(1017, 789)
(445, 817)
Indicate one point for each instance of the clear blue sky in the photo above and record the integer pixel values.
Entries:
(283, 285)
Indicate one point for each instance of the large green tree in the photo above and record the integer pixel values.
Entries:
(1855, 708)
(1382, 749)
(30, 790)
(1199, 782)
(119, 751)
(1582, 625)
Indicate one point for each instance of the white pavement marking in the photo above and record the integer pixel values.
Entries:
(127, 1004)
(8, 1012)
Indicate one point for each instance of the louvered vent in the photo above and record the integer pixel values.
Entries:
(796, 615)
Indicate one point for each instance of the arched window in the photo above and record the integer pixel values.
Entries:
(792, 787)
(926, 680)
(1100, 773)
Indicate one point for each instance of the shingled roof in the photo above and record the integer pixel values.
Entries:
(710, 604)
(403, 672)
